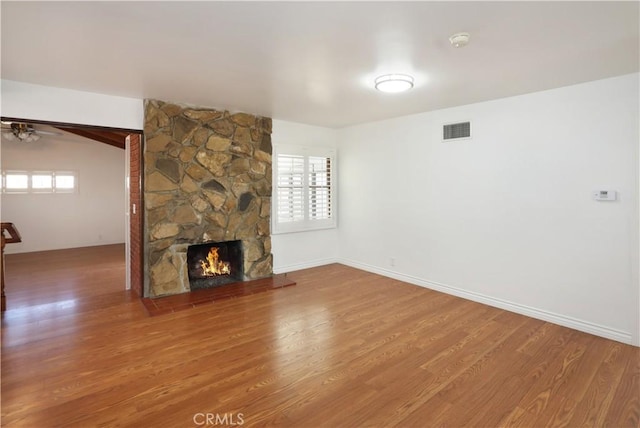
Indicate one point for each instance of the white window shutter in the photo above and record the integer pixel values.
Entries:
(319, 188)
(290, 188)
(304, 189)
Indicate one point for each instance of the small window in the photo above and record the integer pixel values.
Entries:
(65, 182)
(39, 182)
(304, 189)
(16, 181)
(42, 182)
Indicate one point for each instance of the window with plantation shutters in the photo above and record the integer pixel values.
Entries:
(290, 188)
(303, 189)
(319, 188)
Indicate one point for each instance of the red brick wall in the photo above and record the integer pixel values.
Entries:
(135, 197)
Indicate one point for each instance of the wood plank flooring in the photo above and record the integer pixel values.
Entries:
(343, 348)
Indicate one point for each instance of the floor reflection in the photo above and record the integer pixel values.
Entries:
(54, 308)
(306, 333)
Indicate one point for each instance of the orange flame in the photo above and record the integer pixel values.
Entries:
(213, 266)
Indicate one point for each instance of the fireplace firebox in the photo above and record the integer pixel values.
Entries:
(215, 263)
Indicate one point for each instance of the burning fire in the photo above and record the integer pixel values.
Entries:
(212, 266)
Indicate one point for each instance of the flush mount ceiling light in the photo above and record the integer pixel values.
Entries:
(459, 40)
(394, 83)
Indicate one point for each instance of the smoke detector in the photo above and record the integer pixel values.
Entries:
(459, 40)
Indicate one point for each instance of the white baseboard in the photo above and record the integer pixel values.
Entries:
(563, 320)
(305, 265)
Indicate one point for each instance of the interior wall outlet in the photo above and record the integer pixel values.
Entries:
(392, 261)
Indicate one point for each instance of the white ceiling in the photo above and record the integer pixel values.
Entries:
(314, 62)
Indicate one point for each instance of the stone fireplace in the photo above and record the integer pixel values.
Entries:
(207, 179)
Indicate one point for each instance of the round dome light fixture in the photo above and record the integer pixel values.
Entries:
(459, 40)
(393, 83)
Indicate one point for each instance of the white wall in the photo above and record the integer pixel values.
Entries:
(92, 216)
(292, 251)
(44, 103)
(505, 218)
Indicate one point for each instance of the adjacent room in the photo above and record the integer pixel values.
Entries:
(320, 214)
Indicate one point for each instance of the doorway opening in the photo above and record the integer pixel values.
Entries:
(127, 140)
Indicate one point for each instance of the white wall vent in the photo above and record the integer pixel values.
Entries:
(456, 131)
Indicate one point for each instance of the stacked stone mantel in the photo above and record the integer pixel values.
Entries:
(207, 178)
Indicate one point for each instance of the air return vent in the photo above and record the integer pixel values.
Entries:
(456, 131)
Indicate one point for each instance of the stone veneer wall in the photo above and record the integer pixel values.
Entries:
(207, 178)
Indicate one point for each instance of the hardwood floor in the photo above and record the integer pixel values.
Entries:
(343, 348)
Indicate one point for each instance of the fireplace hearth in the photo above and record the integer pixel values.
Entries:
(215, 263)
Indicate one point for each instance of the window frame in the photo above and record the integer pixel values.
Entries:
(57, 189)
(39, 190)
(306, 223)
(13, 189)
(34, 189)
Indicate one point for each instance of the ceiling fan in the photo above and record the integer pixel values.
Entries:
(20, 131)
